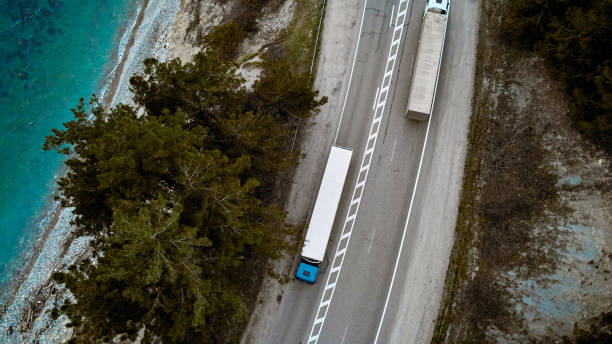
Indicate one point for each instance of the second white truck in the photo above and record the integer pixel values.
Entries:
(427, 64)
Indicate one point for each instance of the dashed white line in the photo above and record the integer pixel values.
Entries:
(344, 336)
(391, 19)
(349, 222)
(375, 98)
(393, 151)
(372, 239)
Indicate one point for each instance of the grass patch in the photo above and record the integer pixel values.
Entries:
(302, 34)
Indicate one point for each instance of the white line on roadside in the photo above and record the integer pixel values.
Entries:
(351, 75)
(375, 98)
(391, 19)
(403, 234)
(416, 184)
(366, 160)
(344, 336)
(372, 239)
(393, 151)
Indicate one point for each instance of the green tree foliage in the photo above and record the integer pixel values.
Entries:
(284, 91)
(171, 200)
(118, 156)
(238, 122)
(574, 36)
(204, 89)
(225, 40)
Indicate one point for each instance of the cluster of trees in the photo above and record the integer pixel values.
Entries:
(574, 37)
(170, 192)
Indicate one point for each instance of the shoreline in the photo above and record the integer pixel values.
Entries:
(114, 82)
(52, 235)
(21, 276)
(57, 208)
(108, 95)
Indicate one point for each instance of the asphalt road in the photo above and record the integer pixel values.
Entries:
(360, 282)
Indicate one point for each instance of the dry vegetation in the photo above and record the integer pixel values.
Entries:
(512, 207)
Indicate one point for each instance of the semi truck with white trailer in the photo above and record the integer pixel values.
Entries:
(324, 213)
(428, 59)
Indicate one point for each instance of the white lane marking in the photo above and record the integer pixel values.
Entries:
(351, 75)
(403, 235)
(349, 222)
(391, 19)
(375, 98)
(344, 336)
(393, 151)
(372, 239)
(416, 184)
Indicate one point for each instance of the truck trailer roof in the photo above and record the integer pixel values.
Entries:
(324, 212)
(426, 66)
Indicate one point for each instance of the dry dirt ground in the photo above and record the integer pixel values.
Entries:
(196, 18)
(560, 273)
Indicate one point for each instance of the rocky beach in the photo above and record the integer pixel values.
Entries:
(25, 315)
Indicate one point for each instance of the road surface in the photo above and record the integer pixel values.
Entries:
(360, 281)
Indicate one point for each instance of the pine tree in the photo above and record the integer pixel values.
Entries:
(574, 37)
(172, 201)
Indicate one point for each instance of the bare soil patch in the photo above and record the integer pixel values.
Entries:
(531, 255)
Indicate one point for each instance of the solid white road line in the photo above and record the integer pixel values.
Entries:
(416, 183)
(329, 285)
(352, 69)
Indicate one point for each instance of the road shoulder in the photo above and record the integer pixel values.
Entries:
(434, 220)
(315, 137)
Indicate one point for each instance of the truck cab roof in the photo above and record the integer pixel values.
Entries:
(437, 6)
(307, 272)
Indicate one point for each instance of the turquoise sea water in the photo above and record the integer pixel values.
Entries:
(52, 52)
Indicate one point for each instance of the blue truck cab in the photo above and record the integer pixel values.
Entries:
(323, 214)
(307, 272)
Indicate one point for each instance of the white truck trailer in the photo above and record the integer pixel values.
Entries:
(324, 212)
(427, 64)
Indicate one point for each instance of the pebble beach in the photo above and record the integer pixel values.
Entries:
(141, 29)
